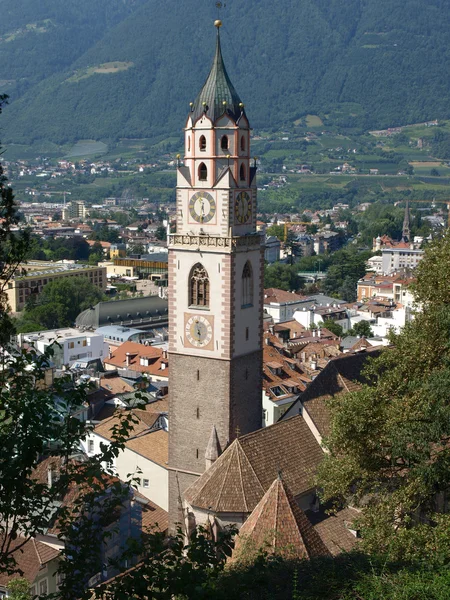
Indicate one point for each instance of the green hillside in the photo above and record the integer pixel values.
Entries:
(359, 64)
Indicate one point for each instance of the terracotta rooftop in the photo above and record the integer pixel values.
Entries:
(31, 556)
(155, 356)
(239, 478)
(278, 526)
(105, 428)
(116, 385)
(154, 518)
(335, 529)
(153, 445)
(281, 296)
(341, 375)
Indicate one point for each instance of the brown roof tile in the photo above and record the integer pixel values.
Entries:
(278, 525)
(341, 375)
(153, 445)
(135, 351)
(281, 296)
(237, 481)
(105, 428)
(334, 530)
(30, 558)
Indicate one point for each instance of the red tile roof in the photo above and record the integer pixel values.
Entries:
(30, 556)
(278, 526)
(239, 478)
(158, 363)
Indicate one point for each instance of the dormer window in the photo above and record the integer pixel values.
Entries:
(202, 143)
(224, 142)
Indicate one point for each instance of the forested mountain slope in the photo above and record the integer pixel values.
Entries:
(122, 68)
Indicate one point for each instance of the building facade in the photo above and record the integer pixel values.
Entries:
(31, 279)
(216, 262)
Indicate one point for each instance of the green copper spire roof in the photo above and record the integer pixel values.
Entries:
(218, 94)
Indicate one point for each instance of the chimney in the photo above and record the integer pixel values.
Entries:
(127, 359)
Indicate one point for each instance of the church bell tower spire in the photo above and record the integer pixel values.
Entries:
(216, 264)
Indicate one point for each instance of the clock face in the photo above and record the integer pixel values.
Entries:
(202, 207)
(199, 331)
(243, 208)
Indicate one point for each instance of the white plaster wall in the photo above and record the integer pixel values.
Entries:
(247, 317)
(158, 491)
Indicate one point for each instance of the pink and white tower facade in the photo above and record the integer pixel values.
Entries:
(216, 260)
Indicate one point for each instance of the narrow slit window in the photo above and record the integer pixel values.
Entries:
(242, 173)
(247, 285)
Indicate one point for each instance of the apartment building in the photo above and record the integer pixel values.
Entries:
(31, 278)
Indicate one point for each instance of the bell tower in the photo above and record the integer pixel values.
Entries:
(216, 261)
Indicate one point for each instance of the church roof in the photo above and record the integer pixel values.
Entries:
(279, 526)
(240, 477)
(217, 90)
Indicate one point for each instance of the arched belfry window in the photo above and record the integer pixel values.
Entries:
(243, 143)
(198, 286)
(202, 142)
(224, 143)
(242, 173)
(247, 285)
(202, 172)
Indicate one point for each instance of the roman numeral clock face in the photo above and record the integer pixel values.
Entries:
(243, 208)
(202, 207)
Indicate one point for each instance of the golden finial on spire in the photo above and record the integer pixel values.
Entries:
(218, 22)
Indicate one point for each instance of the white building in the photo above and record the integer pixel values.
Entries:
(144, 457)
(69, 345)
(394, 259)
(375, 263)
(272, 249)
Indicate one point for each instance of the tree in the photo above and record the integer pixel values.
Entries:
(281, 276)
(389, 443)
(136, 249)
(60, 302)
(292, 247)
(333, 327)
(362, 328)
(276, 230)
(19, 589)
(161, 233)
(13, 246)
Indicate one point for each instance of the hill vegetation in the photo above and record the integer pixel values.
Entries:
(357, 65)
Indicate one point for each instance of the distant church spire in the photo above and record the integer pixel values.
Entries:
(218, 95)
(406, 225)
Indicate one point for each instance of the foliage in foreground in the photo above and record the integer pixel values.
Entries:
(346, 577)
(389, 443)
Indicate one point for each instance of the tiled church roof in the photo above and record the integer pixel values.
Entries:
(239, 478)
(279, 526)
